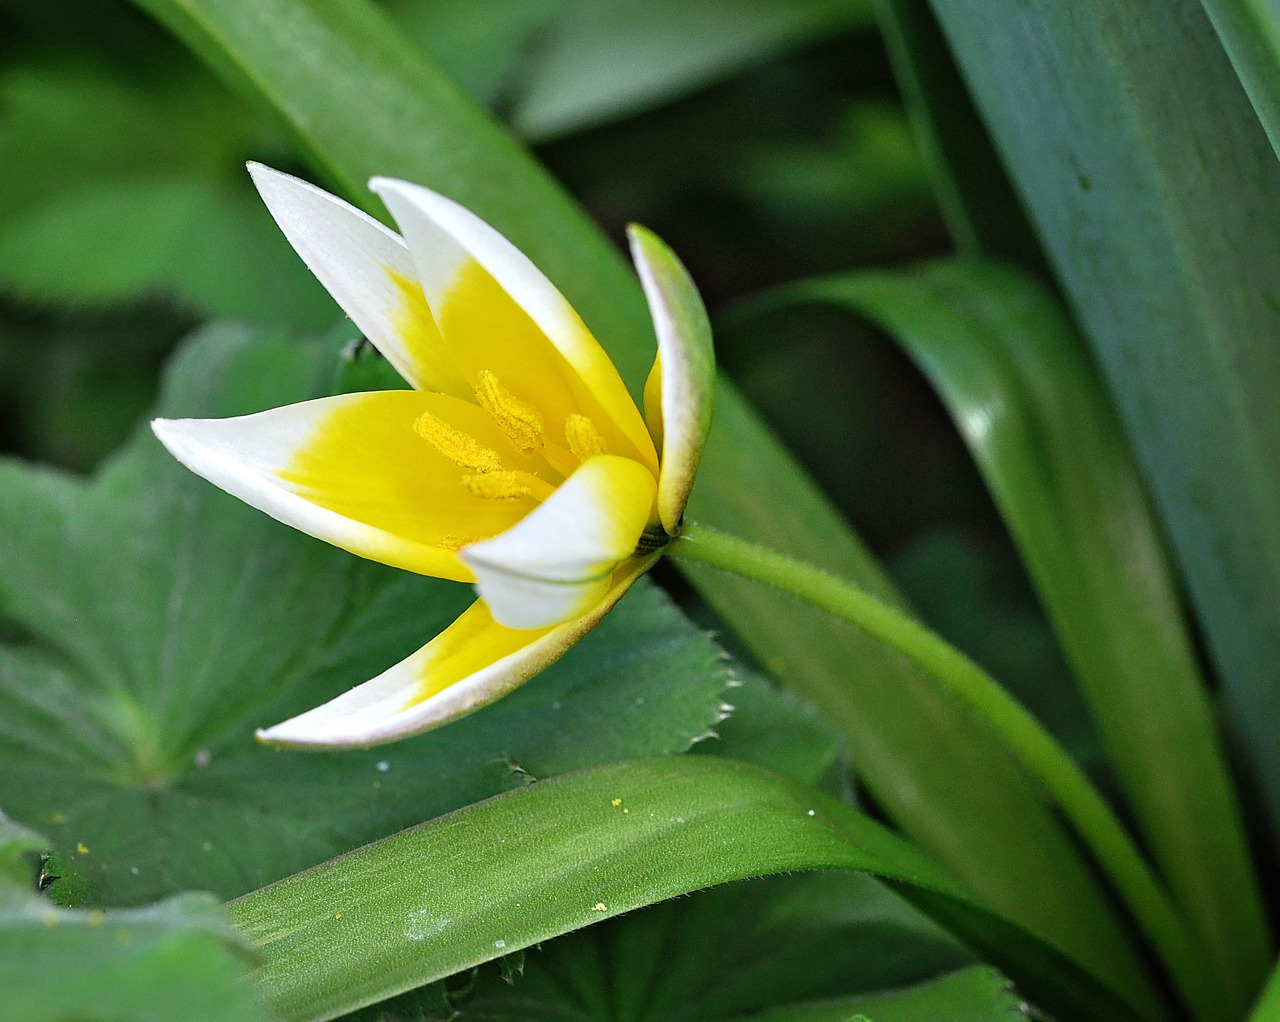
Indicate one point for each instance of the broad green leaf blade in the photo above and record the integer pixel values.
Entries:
(974, 995)
(126, 722)
(1250, 31)
(563, 854)
(722, 953)
(1006, 361)
(1158, 199)
(392, 113)
(604, 61)
(176, 961)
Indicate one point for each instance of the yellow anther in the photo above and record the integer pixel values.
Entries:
(463, 450)
(518, 419)
(583, 438)
(455, 543)
(498, 485)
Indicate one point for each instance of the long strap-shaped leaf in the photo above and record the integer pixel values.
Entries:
(1157, 196)
(1250, 31)
(1006, 361)
(562, 854)
(361, 100)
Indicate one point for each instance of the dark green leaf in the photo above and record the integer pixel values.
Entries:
(163, 621)
(598, 62)
(974, 995)
(151, 199)
(980, 206)
(1157, 195)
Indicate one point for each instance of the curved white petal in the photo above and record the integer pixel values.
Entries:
(368, 270)
(558, 560)
(351, 470)
(445, 238)
(468, 665)
(684, 372)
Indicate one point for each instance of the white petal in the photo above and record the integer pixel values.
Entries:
(558, 560)
(434, 686)
(355, 257)
(684, 372)
(351, 470)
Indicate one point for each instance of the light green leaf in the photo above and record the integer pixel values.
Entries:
(392, 113)
(598, 62)
(1006, 361)
(154, 622)
(175, 961)
(557, 856)
(1160, 209)
(1250, 31)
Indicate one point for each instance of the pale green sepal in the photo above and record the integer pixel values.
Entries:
(688, 369)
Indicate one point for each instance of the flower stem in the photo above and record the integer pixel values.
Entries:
(1025, 738)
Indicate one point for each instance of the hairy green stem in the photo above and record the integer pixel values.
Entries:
(1025, 738)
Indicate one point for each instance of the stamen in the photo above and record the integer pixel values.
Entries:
(462, 449)
(518, 419)
(583, 438)
(498, 485)
(451, 542)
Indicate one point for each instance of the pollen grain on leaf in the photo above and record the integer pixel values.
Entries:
(583, 438)
(518, 419)
(462, 449)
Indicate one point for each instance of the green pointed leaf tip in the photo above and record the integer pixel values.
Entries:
(563, 854)
(393, 113)
(126, 724)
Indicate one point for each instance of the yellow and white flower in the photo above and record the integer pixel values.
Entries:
(518, 462)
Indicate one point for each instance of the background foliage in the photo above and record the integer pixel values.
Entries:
(938, 432)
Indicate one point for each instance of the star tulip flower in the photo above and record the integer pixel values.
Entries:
(518, 461)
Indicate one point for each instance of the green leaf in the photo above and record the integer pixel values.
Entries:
(982, 211)
(167, 154)
(723, 953)
(557, 856)
(598, 62)
(392, 113)
(1250, 31)
(177, 961)
(18, 845)
(974, 995)
(1008, 364)
(159, 621)
(1159, 211)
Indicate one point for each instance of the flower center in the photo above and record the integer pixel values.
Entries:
(518, 419)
